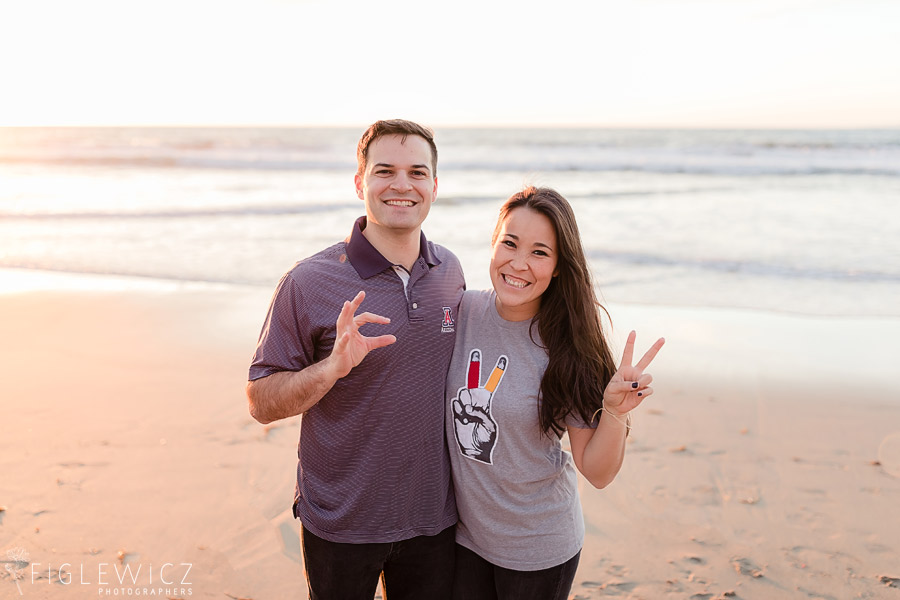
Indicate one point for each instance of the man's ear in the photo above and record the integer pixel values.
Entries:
(357, 181)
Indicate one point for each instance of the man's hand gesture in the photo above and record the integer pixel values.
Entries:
(350, 346)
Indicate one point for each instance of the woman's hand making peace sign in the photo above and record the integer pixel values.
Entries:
(630, 385)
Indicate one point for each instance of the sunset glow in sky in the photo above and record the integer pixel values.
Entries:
(651, 63)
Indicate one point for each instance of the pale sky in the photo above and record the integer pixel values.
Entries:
(621, 63)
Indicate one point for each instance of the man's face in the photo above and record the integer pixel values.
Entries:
(398, 185)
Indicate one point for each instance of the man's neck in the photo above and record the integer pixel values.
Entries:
(399, 248)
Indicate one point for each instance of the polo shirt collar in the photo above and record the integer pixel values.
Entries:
(369, 262)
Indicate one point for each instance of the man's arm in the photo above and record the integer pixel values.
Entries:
(288, 393)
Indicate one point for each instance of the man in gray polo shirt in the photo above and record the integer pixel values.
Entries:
(373, 478)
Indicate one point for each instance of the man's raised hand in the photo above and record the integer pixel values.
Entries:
(350, 346)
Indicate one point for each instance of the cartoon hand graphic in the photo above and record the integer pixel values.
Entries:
(476, 430)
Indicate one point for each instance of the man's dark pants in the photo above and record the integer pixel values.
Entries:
(420, 567)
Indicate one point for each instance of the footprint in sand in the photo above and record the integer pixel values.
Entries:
(612, 588)
(745, 566)
(889, 454)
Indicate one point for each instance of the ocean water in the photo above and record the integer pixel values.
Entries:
(793, 221)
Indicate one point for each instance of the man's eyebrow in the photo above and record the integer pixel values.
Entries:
(418, 167)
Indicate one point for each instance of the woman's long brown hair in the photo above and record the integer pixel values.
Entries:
(568, 320)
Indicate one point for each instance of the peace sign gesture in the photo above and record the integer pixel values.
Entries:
(475, 427)
(630, 385)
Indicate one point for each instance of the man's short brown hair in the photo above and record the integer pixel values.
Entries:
(399, 127)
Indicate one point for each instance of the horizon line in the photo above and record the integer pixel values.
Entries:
(530, 125)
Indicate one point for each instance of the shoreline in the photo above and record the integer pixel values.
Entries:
(20, 279)
(864, 347)
(752, 469)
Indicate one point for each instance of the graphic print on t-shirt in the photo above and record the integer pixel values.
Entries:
(476, 429)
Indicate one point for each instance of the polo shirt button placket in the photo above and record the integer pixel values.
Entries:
(420, 268)
(414, 316)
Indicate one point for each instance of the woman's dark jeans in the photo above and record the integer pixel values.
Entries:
(477, 579)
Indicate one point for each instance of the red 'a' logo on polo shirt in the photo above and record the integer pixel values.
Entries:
(447, 325)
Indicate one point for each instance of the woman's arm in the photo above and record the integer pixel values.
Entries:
(599, 452)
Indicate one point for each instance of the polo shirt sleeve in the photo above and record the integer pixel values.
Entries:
(286, 341)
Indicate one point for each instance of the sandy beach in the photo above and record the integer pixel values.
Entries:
(765, 466)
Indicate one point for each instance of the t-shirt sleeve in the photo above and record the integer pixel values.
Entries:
(573, 420)
(285, 342)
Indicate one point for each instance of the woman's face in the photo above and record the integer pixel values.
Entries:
(523, 262)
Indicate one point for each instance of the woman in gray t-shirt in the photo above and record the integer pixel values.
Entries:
(531, 363)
